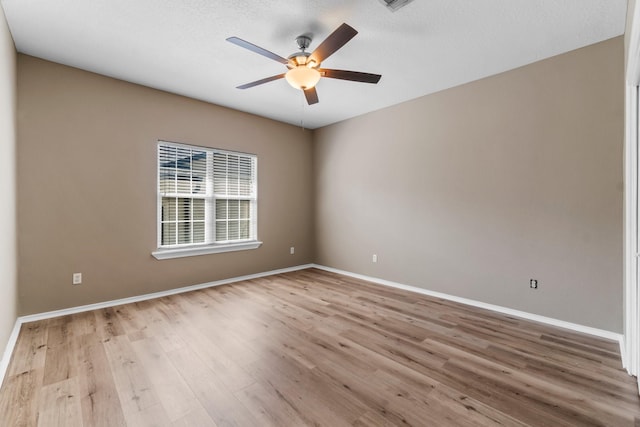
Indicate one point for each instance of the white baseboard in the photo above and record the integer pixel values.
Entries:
(623, 354)
(4, 363)
(8, 351)
(497, 308)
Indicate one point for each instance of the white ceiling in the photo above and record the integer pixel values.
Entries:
(427, 46)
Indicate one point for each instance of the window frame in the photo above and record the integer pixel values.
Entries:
(209, 246)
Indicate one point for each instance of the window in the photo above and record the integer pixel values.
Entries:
(207, 201)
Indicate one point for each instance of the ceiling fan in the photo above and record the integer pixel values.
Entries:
(304, 67)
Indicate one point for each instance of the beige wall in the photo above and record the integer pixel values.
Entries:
(87, 187)
(8, 301)
(474, 190)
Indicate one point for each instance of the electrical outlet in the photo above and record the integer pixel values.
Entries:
(533, 283)
(374, 258)
(292, 250)
(77, 278)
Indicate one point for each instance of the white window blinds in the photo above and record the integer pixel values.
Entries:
(234, 188)
(206, 196)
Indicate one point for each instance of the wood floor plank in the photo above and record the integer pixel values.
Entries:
(98, 395)
(107, 324)
(196, 417)
(311, 348)
(159, 325)
(60, 363)
(316, 402)
(59, 404)
(83, 323)
(151, 416)
(172, 391)
(60, 357)
(212, 394)
(132, 322)
(219, 327)
(525, 393)
(460, 409)
(31, 348)
(135, 390)
(267, 408)
(372, 419)
(230, 373)
(19, 399)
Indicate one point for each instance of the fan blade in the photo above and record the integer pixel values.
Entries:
(257, 49)
(261, 81)
(355, 76)
(311, 95)
(335, 41)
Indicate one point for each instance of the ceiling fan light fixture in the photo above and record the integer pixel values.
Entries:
(304, 70)
(302, 77)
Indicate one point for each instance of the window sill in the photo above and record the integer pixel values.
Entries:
(204, 250)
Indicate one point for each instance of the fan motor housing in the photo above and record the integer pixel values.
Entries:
(298, 59)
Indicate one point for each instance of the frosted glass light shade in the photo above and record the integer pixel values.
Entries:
(302, 77)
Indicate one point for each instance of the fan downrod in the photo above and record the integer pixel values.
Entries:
(303, 42)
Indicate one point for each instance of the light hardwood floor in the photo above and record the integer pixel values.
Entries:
(310, 348)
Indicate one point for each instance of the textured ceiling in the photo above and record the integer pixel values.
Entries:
(427, 46)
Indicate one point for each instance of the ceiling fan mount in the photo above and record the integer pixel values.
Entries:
(303, 42)
(304, 70)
